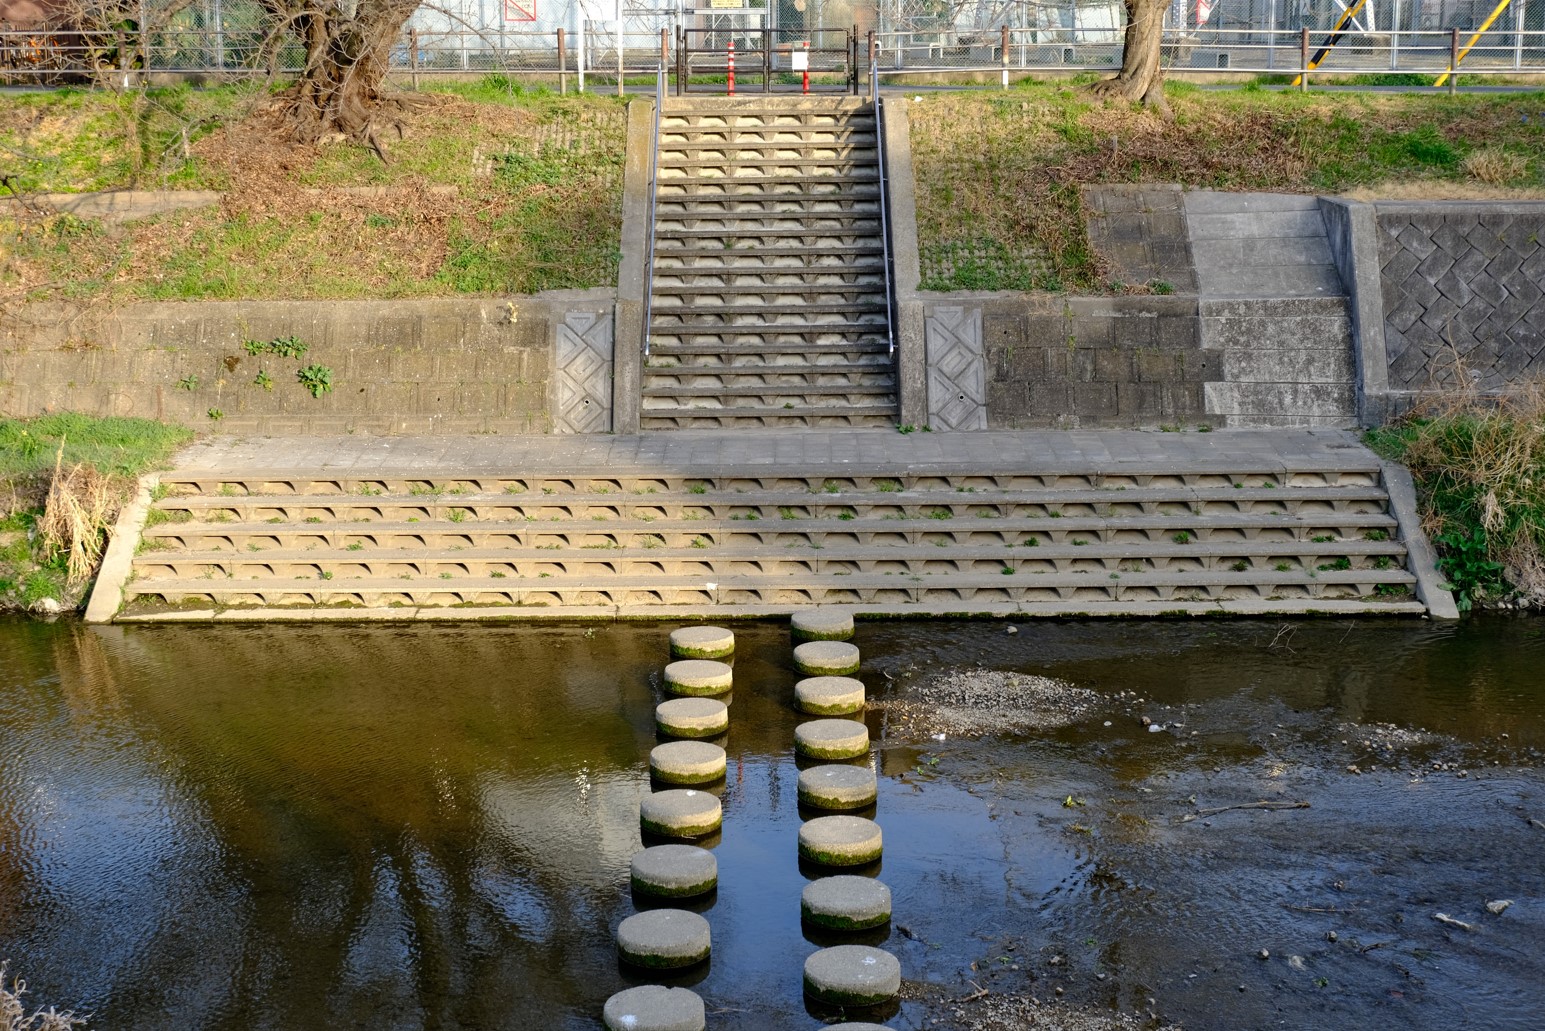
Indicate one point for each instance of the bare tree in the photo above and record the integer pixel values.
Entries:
(348, 46)
(1142, 73)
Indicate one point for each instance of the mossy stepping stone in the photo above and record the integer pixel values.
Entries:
(664, 939)
(698, 677)
(837, 787)
(852, 975)
(680, 813)
(821, 625)
(840, 840)
(687, 762)
(674, 871)
(846, 903)
(829, 696)
(831, 739)
(826, 658)
(692, 717)
(702, 642)
(653, 1007)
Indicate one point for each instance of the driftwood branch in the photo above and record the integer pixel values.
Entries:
(1269, 806)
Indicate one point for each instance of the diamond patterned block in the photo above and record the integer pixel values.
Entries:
(957, 369)
(583, 379)
(1465, 286)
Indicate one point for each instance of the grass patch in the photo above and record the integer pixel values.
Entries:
(999, 173)
(493, 189)
(1479, 467)
(62, 480)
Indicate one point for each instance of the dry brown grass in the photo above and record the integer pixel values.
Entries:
(76, 514)
(1495, 166)
(14, 1015)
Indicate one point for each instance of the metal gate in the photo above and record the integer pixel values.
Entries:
(739, 59)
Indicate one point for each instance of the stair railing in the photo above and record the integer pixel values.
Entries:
(654, 192)
(885, 226)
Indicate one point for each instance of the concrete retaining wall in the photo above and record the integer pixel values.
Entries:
(518, 365)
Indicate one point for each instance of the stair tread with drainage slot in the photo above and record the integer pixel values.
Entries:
(806, 369)
(770, 350)
(1126, 551)
(756, 136)
(840, 392)
(764, 232)
(709, 207)
(728, 311)
(773, 499)
(729, 584)
(770, 252)
(806, 180)
(680, 155)
(666, 278)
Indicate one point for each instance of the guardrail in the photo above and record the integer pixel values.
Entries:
(654, 193)
(885, 203)
(56, 57)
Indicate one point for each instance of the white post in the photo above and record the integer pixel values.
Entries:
(579, 43)
(619, 48)
(1271, 34)
(1518, 33)
(1394, 39)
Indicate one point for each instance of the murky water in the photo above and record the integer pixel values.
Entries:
(429, 827)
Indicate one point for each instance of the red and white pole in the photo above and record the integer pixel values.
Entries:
(732, 66)
(807, 67)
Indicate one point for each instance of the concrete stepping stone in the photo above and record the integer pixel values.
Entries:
(702, 642)
(837, 787)
(821, 625)
(831, 739)
(692, 717)
(653, 1007)
(856, 1026)
(687, 762)
(840, 840)
(698, 677)
(846, 903)
(852, 975)
(664, 939)
(680, 813)
(826, 658)
(829, 696)
(674, 871)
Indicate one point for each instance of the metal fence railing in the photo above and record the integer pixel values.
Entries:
(54, 57)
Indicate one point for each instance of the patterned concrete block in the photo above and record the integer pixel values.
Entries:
(957, 369)
(583, 379)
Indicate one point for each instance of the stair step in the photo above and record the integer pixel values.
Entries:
(864, 295)
(676, 155)
(669, 345)
(806, 181)
(767, 393)
(882, 367)
(826, 251)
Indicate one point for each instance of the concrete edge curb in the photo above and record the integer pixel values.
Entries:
(107, 595)
(629, 329)
(1423, 561)
(1353, 230)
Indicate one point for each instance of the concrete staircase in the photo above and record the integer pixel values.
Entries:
(768, 299)
(892, 530)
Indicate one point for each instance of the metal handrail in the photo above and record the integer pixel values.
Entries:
(885, 226)
(654, 192)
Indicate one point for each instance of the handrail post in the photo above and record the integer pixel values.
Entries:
(1303, 59)
(1453, 60)
(766, 59)
(681, 59)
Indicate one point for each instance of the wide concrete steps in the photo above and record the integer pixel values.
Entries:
(767, 238)
(720, 538)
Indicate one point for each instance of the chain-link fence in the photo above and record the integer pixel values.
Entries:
(602, 39)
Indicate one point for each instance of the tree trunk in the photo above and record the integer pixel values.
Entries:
(348, 55)
(1142, 75)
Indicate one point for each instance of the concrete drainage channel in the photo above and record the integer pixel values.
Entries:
(845, 978)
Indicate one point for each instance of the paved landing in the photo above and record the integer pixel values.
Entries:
(809, 452)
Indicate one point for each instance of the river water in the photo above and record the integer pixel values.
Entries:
(412, 827)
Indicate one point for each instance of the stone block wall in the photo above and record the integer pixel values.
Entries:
(1463, 290)
(516, 365)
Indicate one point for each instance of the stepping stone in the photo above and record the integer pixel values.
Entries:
(698, 677)
(840, 840)
(687, 762)
(663, 939)
(692, 717)
(856, 1026)
(653, 1007)
(680, 813)
(831, 739)
(702, 642)
(829, 696)
(852, 975)
(826, 658)
(674, 871)
(846, 903)
(821, 625)
(837, 787)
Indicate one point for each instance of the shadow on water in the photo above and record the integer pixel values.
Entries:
(414, 827)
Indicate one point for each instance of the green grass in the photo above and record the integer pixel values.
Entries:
(535, 201)
(116, 446)
(999, 172)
